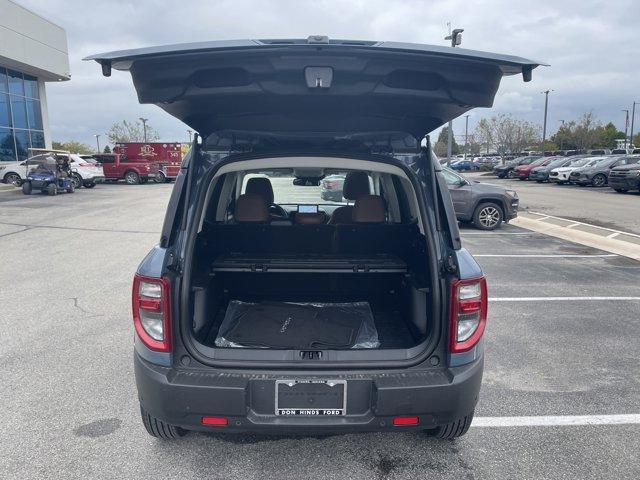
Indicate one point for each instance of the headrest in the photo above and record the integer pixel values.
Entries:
(251, 208)
(355, 184)
(369, 209)
(310, 218)
(260, 186)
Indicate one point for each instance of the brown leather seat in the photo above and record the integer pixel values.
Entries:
(369, 209)
(251, 208)
(355, 185)
(260, 186)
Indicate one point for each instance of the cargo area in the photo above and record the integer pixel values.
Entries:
(349, 274)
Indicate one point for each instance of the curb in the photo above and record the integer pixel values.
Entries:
(582, 233)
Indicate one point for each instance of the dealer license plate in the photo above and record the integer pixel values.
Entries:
(311, 398)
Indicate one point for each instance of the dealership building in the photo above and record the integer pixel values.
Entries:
(33, 51)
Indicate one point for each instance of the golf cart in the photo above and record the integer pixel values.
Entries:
(50, 174)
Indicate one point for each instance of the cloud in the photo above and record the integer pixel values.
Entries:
(591, 46)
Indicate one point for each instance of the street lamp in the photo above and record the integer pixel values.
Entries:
(456, 39)
(144, 127)
(626, 124)
(544, 127)
(466, 134)
(97, 135)
(633, 116)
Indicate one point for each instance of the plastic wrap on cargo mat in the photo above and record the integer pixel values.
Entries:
(298, 326)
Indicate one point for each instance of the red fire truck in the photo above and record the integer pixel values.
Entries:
(168, 156)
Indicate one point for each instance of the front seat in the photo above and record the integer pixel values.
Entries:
(260, 186)
(355, 185)
(251, 208)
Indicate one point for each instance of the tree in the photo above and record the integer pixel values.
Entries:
(608, 136)
(72, 146)
(636, 140)
(506, 134)
(107, 149)
(440, 147)
(585, 133)
(131, 132)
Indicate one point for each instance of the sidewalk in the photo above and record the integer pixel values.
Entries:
(610, 240)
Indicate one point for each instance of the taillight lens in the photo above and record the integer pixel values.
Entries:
(152, 312)
(468, 313)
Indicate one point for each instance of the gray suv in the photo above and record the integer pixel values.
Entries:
(483, 204)
(263, 309)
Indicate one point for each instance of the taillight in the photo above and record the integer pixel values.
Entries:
(152, 312)
(468, 313)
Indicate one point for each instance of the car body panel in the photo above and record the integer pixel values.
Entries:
(585, 176)
(625, 178)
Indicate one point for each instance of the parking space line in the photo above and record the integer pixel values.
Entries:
(499, 233)
(561, 299)
(551, 255)
(556, 421)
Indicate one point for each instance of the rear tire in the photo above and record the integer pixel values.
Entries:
(27, 189)
(511, 174)
(132, 178)
(71, 188)
(89, 184)
(488, 216)
(159, 429)
(52, 189)
(455, 429)
(161, 178)
(77, 181)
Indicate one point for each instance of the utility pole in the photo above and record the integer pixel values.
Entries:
(189, 133)
(544, 127)
(144, 127)
(561, 139)
(626, 124)
(466, 134)
(97, 135)
(633, 116)
(456, 39)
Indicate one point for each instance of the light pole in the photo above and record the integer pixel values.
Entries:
(144, 127)
(456, 39)
(189, 133)
(633, 116)
(466, 134)
(626, 124)
(544, 125)
(97, 135)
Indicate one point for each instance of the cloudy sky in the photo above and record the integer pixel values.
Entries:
(592, 48)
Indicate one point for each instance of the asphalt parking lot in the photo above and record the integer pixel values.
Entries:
(68, 403)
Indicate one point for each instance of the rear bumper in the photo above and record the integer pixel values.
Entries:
(182, 398)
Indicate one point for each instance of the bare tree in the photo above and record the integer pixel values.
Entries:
(506, 134)
(131, 132)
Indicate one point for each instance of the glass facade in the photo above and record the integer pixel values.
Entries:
(20, 115)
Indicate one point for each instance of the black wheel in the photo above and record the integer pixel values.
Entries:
(89, 184)
(539, 181)
(26, 188)
(488, 216)
(77, 181)
(13, 178)
(132, 178)
(52, 189)
(599, 180)
(560, 183)
(455, 429)
(158, 428)
(161, 177)
(71, 188)
(511, 174)
(144, 180)
(621, 190)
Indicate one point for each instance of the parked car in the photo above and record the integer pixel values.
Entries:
(561, 175)
(523, 171)
(84, 173)
(508, 169)
(465, 166)
(541, 173)
(597, 175)
(331, 188)
(120, 167)
(483, 204)
(626, 177)
(264, 373)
